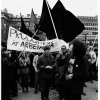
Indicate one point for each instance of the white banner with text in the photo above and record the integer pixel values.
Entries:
(19, 41)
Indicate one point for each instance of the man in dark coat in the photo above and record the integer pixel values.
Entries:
(5, 77)
(46, 65)
(62, 59)
(9, 77)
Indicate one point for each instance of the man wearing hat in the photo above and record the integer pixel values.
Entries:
(46, 65)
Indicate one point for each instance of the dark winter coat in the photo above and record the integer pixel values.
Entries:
(44, 61)
(79, 75)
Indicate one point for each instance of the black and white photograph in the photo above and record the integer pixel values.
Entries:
(49, 49)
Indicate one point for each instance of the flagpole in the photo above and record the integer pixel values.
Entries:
(24, 48)
(53, 23)
(29, 41)
(52, 19)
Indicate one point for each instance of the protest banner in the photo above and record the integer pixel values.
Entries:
(19, 41)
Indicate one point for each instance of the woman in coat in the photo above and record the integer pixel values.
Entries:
(76, 72)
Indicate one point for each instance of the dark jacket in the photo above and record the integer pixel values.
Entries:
(6, 69)
(79, 66)
(79, 75)
(44, 61)
(62, 63)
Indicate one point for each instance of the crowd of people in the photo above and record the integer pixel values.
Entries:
(65, 71)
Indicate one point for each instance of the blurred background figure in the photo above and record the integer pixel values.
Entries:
(9, 76)
(24, 63)
(37, 86)
(92, 67)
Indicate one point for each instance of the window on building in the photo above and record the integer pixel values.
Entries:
(95, 33)
(86, 28)
(96, 29)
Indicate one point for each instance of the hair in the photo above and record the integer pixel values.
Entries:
(46, 47)
(79, 48)
(63, 46)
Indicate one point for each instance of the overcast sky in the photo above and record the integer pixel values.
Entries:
(77, 7)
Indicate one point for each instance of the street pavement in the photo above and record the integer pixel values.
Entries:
(90, 91)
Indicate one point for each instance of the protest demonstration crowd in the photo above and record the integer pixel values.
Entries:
(40, 65)
(65, 71)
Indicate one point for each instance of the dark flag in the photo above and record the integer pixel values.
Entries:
(27, 31)
(67, 25)
(33, 18)
(45, 23)
(33, 21)
(24, 29)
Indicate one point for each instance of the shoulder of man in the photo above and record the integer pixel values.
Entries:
(51, 56)
(41, 56)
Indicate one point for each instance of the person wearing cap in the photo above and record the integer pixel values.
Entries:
(46, 65)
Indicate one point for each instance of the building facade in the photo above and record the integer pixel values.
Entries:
(8, 19)
(89, 35)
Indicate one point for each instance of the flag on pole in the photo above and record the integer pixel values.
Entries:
(33, 18)
(24, 29)
(45, 23)
(67, 25)
(33, 21)
(27, 31)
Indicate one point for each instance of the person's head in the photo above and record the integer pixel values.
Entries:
(23, 55)
(96, 50)
(78, 48)
(7, 54)
(63, 49)
(47, 50)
